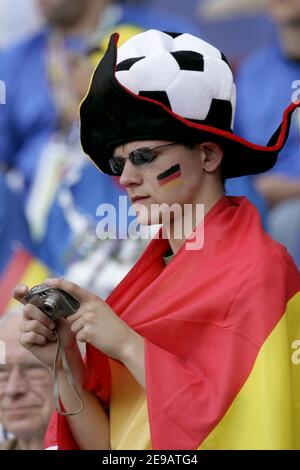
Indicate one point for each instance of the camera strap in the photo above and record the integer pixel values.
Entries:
(68, 373)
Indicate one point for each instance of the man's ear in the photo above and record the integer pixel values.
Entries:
(211, 155)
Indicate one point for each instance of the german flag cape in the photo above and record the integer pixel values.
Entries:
(222, 330)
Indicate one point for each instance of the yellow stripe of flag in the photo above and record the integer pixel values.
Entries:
(266, 412)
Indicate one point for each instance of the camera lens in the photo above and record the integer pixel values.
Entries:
(50, 307)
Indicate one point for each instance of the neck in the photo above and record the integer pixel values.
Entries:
(290, 39)
(87, 23)
(34, 443)
(192, 216)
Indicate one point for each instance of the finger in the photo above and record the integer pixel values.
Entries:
(30, 339)
(75, 317)
(37, 327)
(31, 312)
(81, 336)
(79, 293)
(77, 326)
(19, 292)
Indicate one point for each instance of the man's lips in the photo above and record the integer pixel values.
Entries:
(19, 409)
(138, 198)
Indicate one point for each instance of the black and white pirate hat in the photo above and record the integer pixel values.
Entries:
(169, 86)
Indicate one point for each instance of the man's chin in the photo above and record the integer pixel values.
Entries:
(19, 419)
(26, 428)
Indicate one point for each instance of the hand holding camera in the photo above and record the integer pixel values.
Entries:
(94, 322)
(55, 303)
(45, 309)
(81, 316)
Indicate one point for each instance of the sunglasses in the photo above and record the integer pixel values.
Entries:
(137, 157)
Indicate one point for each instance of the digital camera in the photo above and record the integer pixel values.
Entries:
(55, 303)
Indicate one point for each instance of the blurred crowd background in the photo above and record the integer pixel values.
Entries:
(49, 191)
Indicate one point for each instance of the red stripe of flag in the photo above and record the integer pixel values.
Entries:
(169, 178)
(12, 275)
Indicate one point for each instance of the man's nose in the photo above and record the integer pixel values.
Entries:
(16, 384)
(130, 174)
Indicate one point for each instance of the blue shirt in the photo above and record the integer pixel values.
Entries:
(13, 226)
(264, 90)
(28, 118)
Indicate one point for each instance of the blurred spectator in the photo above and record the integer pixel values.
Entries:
(35, 72)
(18, 19)
(267, 82)
(25, 392)
(39, 96)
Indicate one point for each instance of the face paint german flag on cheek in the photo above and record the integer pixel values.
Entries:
(170, 178)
